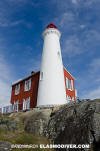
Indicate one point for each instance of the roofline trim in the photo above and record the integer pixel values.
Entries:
(69, 72)
(25, 78)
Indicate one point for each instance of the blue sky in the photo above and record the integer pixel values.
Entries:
(21, 25)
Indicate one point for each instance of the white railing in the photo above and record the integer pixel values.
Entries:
(9, 109)
(15, 108)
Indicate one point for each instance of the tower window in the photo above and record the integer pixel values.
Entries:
(41, 76)
(58, 53)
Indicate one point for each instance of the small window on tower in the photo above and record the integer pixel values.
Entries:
(41, 76)
(58, 53)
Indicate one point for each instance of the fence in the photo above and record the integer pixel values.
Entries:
(14, 108)
(22, 107)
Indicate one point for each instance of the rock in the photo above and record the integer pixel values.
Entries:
(75, 124)
(7, 124)
(5, 146)
(37, 122)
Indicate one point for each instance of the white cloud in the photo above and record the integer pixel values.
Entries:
(95, 64)
(5, 93)
(34, 64)
(92, 35)
(6, 18)
(74, 1)
(72, 46)
(22, 3)
(94, 67)
(82, 26)
(13, 6)
(93, 94)
(4, 69)
(66, 20)
(13, 23)
(90, 3)
(5, 82)
(17, 1)
(35, 4)
(89, 80)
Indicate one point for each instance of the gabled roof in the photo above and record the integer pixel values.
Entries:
(33, 74)
(20, 80)
(68, 72)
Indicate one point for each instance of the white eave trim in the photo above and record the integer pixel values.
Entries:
(70, 73)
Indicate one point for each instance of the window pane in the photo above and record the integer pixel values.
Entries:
(67, 83)
(27, 85)
(17, 89)
(41, 76)
(71, 84)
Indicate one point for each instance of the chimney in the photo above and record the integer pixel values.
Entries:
(32, 72)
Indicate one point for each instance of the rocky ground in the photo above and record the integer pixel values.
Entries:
(5, 146)
(77, 123)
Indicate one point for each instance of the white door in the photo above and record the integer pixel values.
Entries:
(16, 106)
(28, 103)
(24, 104)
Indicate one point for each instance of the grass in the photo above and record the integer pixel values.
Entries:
(99, 100)
(19, 136)
(24, 138)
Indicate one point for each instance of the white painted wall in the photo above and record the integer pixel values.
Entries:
(51, 89)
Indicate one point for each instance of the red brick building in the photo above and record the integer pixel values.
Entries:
(24, 92)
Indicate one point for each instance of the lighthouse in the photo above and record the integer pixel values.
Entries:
(51, 90)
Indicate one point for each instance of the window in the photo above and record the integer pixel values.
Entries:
(27, 85)
(72, 85)
(15, 106)
(76, 93)
(72, 98)
(17, 89)
(41, 76)
(4, 109)
(58, 53)
(26, 104)
(68, 98)
(69, 84)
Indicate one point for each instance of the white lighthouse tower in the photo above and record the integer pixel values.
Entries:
(51, 89)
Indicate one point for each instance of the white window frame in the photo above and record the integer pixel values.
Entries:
(26, 104)
(72, 88)
(73, 99)
(66, 82)
(68, 98)
(69, 84)
(41, 75)
(75, 93)
(59, 55)
(4, 109)
(17, 89)
(16, 106)
(27, 85)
